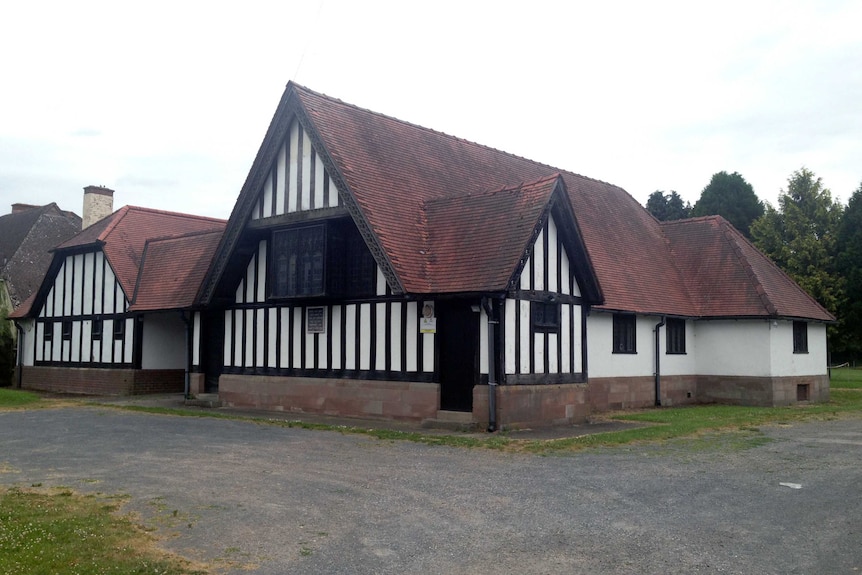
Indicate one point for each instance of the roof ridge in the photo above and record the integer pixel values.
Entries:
(691, 220)
(172, 213)
(727, 231)
(559, 170)
(495, 190)
(184, 235)
(119, 215)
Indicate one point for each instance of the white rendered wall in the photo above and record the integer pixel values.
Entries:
(27, 345)
(164, 342)
(734, 347)
(785, 362)
(603, 363)
(678, 364)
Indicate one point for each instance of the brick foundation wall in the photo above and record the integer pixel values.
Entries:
(761, 391)
(521, 406)
(612, 393)
(342, 397)
(92, 381)
(197, 383)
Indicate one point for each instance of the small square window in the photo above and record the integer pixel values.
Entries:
(97, 329)
(546, 316)
(800, 337)
(49, 331)
(675, 336)
(625, 339)
(67, 329)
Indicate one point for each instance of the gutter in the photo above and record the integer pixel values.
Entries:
(492, 366)
(657, 331)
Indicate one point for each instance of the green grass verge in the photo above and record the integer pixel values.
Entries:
(62, 533)
(846, 377)
(17, 398)
(658, 425)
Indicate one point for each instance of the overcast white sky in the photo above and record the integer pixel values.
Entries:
(167, 102)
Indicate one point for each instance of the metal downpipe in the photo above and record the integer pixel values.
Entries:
(186, 378)
(19, 352)
(657, 331)
(492, 367)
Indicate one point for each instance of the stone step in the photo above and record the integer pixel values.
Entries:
(210, 400)
(457, 416)
(451, 420)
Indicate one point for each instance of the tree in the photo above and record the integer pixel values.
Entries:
(729, 196)
(667, 207)
(849, 262)
(800, 237)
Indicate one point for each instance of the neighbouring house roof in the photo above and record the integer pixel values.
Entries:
(728, 276)
(26, 238)
(122, 237)
(172, 270)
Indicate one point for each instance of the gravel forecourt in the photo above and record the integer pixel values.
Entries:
(248, 497)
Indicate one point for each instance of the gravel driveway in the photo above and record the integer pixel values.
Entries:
(262, 499)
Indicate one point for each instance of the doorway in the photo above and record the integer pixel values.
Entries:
(458, 340)
(212, 337)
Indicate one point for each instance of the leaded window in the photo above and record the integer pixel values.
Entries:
(800, 337)
(625, 340)
(299, 256)
(675, 335)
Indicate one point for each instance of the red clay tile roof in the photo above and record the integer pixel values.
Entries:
(381, 158)
(727, 276)
(426, 199)
(172, 271)
(462, 247)
(125, 232)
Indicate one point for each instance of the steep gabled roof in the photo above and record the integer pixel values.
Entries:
(727, 276)
(26, 238)
(172, 271)
(124, 233)
(410, 189)
(122, 237)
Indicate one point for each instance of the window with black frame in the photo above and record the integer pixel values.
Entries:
(800, 337)
(625, 340)
(546, 316)
(298, 262)
(675, 336)
(328, 259)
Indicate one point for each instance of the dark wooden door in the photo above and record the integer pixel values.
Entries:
(212, 337)
(458, 333)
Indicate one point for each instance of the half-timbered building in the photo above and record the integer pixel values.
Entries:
(83, 333)
(375, 268)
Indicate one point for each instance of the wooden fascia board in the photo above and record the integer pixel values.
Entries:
(573, 240)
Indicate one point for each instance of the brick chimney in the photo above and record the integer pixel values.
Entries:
(98, 204)
(19, 207)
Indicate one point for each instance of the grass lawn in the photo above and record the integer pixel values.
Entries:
(17, 398)
(58, 532)
(847, 378)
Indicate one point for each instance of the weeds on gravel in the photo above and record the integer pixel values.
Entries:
(57, 531)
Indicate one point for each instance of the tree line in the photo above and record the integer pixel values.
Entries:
(816, 240)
